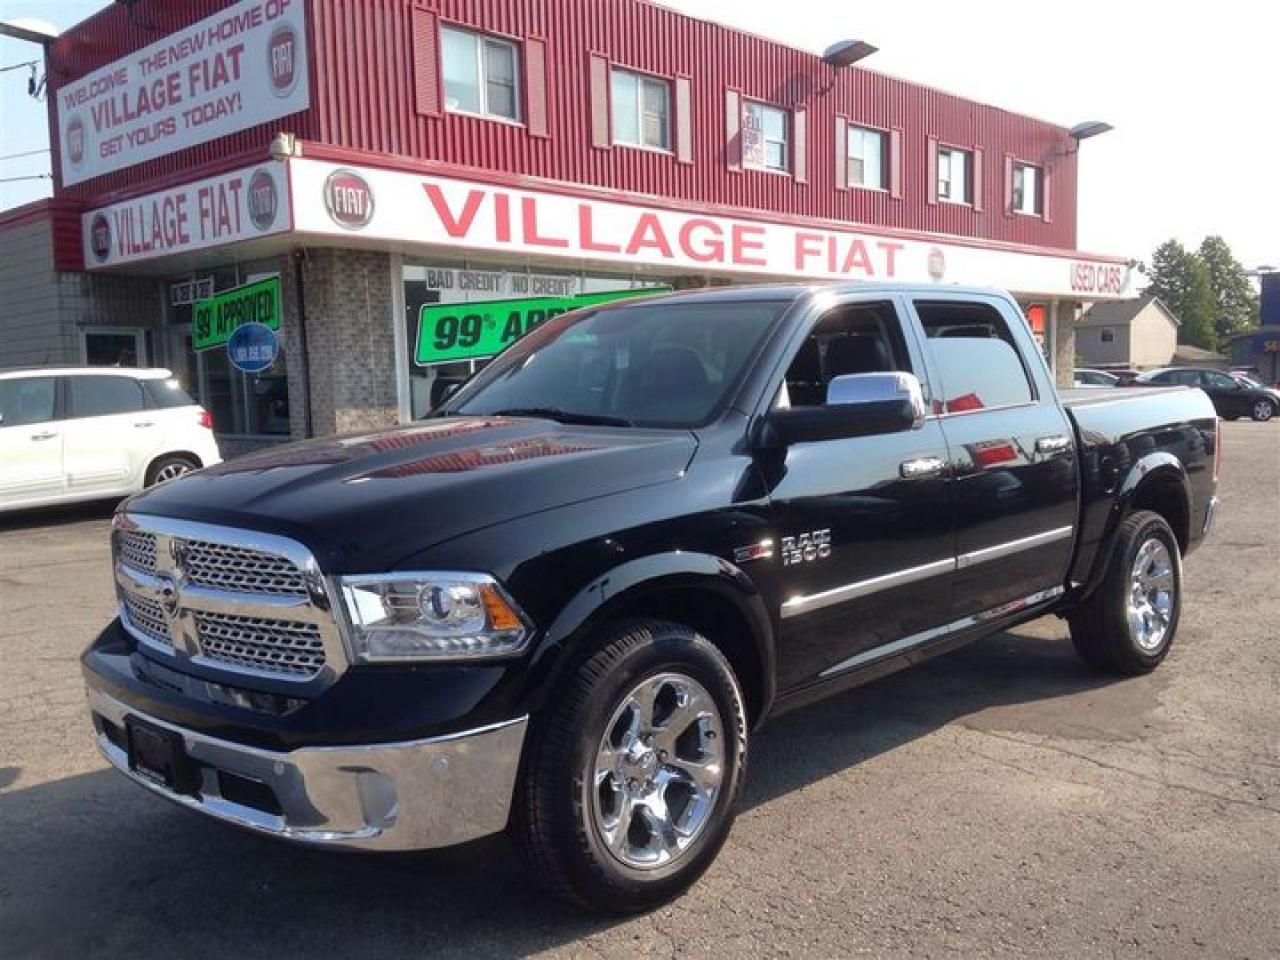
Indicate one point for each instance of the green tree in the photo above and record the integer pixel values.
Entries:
(1181, 281)
(1237, 304)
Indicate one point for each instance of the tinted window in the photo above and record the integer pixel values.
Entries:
(26, 401)
(974, 354)
(656, 364)
(861, 338)
(103, 396)
(167, 393)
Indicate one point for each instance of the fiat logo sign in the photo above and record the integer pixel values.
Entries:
(75, 141)
(262, 199)
(100, 237)
(937, 264)
(282, 60)
(348, 199)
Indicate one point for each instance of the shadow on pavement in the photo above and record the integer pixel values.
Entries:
(93, 865)
(37, 517)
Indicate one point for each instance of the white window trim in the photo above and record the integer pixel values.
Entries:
(482, 80)
(1039, 181)
(786, 171)
(885, 173)
(641, 80)
(968, 175)
(139, 342)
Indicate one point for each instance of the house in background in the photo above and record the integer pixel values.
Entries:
(1138, 334)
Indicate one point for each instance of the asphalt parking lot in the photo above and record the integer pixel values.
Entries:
(1000, 800)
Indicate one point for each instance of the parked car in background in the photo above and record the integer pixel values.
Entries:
(1251, 382)
(1095, 378)
(84, 433)
(1233, 396)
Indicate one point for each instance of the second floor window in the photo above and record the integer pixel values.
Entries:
(1026, 188)
(479, 74)
(866, 158)
(641, 110)
(953, 175)
(764, 138)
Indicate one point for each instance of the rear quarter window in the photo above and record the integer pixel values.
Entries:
(166, 394)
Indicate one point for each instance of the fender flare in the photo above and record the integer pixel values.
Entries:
(1149, 468)
(630, 581)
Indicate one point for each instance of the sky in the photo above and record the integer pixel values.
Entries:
(1187, 88)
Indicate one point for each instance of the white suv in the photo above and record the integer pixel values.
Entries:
(88, 432)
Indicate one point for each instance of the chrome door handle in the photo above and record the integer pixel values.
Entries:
(1052, 444)
(47, 435)
(921, 467)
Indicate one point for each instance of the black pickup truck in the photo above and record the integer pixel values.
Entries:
(562, 603)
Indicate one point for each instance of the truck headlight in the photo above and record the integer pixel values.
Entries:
(431, 616)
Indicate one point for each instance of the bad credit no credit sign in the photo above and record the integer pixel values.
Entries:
(214, 320)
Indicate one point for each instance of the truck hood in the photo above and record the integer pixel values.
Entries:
(364, 502)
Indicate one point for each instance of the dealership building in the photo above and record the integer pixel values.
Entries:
(398, 189)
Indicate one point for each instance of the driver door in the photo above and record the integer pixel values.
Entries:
(864, 524)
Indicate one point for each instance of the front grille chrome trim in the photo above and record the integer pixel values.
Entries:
(304, 603)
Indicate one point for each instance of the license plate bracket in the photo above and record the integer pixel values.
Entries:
(157, 755)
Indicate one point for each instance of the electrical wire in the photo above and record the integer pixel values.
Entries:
(34, 176)
(29, 153)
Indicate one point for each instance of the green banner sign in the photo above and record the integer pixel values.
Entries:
(469, 331)
(213, 320)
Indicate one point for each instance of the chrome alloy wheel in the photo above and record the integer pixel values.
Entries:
(1152, 595)
(172, 471)
(658, 771)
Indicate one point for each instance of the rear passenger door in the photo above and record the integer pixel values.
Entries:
(1012, 449)
(108, 433)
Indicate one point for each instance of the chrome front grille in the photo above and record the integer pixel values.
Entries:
(286, 646)
(226, 600)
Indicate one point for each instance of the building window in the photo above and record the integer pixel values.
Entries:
(641, 110)
(479, 74)
(1026, 188)
(953, 175)
(1107, 335)
(867, 158)
(764, 138)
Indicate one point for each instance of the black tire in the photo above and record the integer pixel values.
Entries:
(1262, 411)
(555, 820)
(168, 467)
(1100, 627)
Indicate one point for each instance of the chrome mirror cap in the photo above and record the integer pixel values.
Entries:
(895, 386)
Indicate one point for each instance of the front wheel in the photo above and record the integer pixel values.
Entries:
(1263, 410)
(1127, 624)
(631, 776)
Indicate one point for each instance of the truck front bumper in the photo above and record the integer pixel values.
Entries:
(410, 795)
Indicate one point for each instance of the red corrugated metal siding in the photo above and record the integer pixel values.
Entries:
(363, 96)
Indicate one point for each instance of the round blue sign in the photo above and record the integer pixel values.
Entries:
(253, 347)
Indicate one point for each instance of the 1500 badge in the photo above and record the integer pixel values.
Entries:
(806, 547)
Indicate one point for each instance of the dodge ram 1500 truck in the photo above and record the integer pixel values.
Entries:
(562, 604)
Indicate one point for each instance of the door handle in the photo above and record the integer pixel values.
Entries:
(46, 435)
(1055, 444)
(921, 467)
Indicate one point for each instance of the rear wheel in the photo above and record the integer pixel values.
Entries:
(171, 467)
(630, 778)
(1128, 624)
(1263, 410)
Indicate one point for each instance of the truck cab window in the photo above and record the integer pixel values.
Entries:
(975, 357)
(860, 338)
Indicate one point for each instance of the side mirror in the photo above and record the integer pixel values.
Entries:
(858, 405)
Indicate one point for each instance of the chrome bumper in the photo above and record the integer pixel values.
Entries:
(388, 796)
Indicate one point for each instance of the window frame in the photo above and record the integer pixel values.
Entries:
(642, 77)
(967, 153)
(886, 174)
(482, 38)
(1037, 210)
(787, 141)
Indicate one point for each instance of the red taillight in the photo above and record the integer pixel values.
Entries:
(206, 419)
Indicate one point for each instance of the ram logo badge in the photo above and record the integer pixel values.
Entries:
(806, 547)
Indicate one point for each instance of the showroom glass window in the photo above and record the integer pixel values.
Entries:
(480, 74)
(764, 137)
(641, 110)
(1026, 189)
(953, 175)
(866, 158)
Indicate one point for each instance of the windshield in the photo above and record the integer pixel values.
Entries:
(663, 364)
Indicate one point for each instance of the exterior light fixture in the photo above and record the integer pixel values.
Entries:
(845, 53)
(1090, 128)
(29, 29)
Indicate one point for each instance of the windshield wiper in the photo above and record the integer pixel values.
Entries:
(563, 416)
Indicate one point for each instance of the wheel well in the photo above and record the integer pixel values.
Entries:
(1163, 494)
(720, 621)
